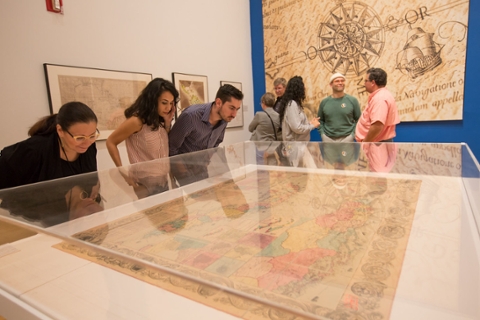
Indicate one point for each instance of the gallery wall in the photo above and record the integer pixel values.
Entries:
(210, 38)
(466, 130)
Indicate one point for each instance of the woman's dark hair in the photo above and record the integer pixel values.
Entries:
(146, 105)
(69, 114)
(295, 91)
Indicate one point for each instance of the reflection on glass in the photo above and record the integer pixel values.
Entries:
(340, 154)
(148, 178)
(319, 228)
(54, 202)
(381, 156)
(192, 167)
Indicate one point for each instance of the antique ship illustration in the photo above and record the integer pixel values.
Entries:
(420, 53)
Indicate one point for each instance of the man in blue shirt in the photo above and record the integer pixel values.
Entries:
(200, 127)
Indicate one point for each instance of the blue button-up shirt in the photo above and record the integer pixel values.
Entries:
(193, 131)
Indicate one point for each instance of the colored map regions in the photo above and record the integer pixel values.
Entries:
(292, 238)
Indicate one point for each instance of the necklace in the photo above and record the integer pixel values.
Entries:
(64, 153)
(69, 202)
(66, 157)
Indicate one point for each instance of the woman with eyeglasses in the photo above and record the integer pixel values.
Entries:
(60, 145)
(145, 132)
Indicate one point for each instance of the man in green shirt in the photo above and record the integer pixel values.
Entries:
(338, 113)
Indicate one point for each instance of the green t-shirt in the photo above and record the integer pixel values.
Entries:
(338, 116)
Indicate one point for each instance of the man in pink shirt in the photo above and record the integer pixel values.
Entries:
(378, 120)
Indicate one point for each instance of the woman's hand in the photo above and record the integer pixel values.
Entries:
(168, 119)
(80, 204)
(315, 122)
(95, 191)
(129, 180)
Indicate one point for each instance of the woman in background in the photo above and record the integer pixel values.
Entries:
(265, 125)
(295, 125)
(145, 132)
(60, 145)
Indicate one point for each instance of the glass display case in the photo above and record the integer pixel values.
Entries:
(277, 230)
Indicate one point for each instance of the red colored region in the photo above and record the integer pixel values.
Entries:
(350, 302)
(308, 257)
(257, 240)
(291, 267)
(201, 260)
(281, 274)
(342, 217)
(295, 187)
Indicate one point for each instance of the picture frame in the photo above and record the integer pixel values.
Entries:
(107, 92)
(193, 89)
(238, 121)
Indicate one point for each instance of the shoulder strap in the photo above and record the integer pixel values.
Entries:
(273, 126)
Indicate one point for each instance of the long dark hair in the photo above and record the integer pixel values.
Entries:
(295, 91)
(146, 105)
(69, 114)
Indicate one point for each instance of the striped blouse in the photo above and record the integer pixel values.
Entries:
(147, 144)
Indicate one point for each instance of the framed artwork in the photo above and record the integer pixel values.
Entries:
(108, 93)
(238, 121)
(193, 89)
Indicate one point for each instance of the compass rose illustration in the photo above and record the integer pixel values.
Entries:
(351, 38)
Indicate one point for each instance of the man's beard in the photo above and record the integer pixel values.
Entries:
(225, 118)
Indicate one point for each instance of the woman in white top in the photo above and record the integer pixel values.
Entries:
(145, 132)
(295, 125)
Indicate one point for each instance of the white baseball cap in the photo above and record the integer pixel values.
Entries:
(337, 75)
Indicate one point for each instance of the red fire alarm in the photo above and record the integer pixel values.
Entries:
(55, 6)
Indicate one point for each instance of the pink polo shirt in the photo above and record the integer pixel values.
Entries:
(381, 156)
(381, 107)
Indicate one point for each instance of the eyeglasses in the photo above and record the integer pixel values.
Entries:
(80, 139)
